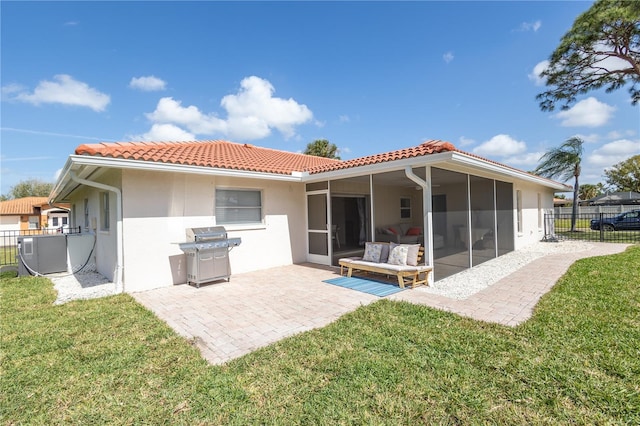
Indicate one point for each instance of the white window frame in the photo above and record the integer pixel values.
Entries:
(34, 222)
(86, 213)
(219, 207)
(405, 211)
(519, 210)
(540, 215)
(105, 218)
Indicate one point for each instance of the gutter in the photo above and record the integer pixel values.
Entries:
(427, 208)
(119, 242)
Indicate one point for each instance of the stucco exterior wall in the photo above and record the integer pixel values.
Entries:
(387, 205)
(105, 245)
(158, 207)
(532, 223)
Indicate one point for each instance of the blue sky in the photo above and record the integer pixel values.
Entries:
(370, 77)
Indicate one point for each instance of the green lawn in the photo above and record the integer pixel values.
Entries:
(8, 256)
(577, 361)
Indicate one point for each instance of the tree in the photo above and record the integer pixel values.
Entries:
(588, 191)
(322, 148)
(564, 163)
(29, 188)
(625, 176)
(602, 49)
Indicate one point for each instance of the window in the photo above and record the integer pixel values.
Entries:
(104, 210)
(86, 213)
(238, 206)
(54, 221)
(405, 208)
(33, 222)
(540, 216)
(64, 221)
(519, 208)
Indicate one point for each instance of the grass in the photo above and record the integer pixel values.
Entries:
(586, 234)
(577, 361)
(8, 255)
(566, 223)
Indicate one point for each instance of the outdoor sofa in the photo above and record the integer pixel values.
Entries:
(401, 260)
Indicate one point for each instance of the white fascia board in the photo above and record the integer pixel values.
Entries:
(63, 178)
(477, 163)
(383, 167)
(80, 163)
(121, 163)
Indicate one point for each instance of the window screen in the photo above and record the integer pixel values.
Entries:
(238, 206)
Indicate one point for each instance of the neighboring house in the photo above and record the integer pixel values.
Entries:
(616, 199)
(139, 199)
(561, 202)
(31, 213)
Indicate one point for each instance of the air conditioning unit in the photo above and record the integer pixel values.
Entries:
(42, 254)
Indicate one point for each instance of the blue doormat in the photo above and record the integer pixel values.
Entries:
(366, 286)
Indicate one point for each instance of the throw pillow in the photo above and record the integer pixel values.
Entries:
(414, 231)
(372, 252)
(384, 254)
(393, 231)
(398, 255)
(412, 254)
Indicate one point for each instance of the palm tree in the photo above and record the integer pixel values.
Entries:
(588, 191)
(564, 163)
(322, 148)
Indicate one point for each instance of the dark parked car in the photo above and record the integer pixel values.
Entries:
(625, 221)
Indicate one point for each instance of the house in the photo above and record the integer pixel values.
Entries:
(616, 199)
(32, 213)
(561, 202)
(139, 198)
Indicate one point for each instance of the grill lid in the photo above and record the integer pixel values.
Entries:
(206, 234)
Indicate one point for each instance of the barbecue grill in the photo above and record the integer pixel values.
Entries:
(207, 251)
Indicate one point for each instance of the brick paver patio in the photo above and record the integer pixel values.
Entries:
(228, 320)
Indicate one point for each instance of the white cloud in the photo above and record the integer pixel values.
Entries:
(149, 83)
(448, 57)
(165, 132)
(614, 134)
(252, 113)
(537, 70)
(501, 146)
(614, 152)
(525, 161)
(56, 175)
(12, 88)
(590, 138)
(344, 119)
(608, 63)
(531, 26)
(587, 113)
(169, 111)
(255, 103)
(65, 90)
(464, 141)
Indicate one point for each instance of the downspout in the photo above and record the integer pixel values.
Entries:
(426, 210)
(119, 244)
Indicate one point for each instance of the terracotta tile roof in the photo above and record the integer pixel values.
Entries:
(24, 205)
(216, 154)
(246, 157)
(425, 148)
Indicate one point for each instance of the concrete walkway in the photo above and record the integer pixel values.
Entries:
(228, 320)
